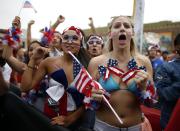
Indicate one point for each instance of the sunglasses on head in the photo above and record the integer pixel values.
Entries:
(70, 38)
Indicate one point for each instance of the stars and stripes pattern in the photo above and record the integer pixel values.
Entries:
(76, 68)
(82, 82)
(116, 71)
(112, 63)
(101, 70)
(27, 4)
(132, 65)
(105, 71)
(128, 75)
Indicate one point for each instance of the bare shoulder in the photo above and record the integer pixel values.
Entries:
(144, 60)
(98, 60)
(95, 62)
(52, 59)
(49, 61)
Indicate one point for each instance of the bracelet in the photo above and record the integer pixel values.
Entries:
(33, 68)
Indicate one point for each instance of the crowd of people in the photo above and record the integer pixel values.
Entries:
(63, 80)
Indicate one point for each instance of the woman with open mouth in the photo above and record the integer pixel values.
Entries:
(125, 75)
(95, 45)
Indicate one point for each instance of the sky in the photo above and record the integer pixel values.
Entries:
(77, 12)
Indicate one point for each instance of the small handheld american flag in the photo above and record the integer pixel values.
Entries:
(27, 4)
(84, 83)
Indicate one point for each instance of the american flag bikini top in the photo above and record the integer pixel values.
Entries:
(147, 95)
(132, 65)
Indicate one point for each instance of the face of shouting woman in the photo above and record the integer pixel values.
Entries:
(121, 32)
(95, 46)
(71, 41)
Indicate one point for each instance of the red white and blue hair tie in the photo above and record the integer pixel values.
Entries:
(48, 36)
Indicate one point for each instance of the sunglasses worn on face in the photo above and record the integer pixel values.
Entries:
(70, 38)
(96, 42)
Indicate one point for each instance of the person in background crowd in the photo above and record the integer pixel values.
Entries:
(172, 56)
(55, 45)
(165, 55)
(167, 80)
(95, 45)
(154, 58)
(6, 69)
(35, 98)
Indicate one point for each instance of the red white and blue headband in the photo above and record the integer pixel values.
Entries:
(95, 37)
(77, 30)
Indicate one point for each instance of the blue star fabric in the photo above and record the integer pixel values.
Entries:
(133, 65)
(76, 68)
(110, 63)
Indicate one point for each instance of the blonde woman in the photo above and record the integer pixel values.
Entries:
(125, 94)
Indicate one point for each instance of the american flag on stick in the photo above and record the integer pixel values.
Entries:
(27, 4)
(84, 83)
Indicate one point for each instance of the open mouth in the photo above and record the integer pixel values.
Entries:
(122, 37)
(94, 50)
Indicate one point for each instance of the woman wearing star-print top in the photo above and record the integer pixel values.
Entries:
(124, 74)
(64, 104)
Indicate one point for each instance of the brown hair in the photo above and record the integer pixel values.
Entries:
(133, 49)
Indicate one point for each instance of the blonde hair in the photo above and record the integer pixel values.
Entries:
(133, 49)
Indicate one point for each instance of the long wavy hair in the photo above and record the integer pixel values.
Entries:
(83, 56)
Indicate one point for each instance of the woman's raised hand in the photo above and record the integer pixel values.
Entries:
(39, 53)
(97, 94)
(140, 79)
(61, 19)
(16, 22)
(31, 22)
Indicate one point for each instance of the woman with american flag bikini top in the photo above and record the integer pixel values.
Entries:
(107, 81)
(130, 79)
